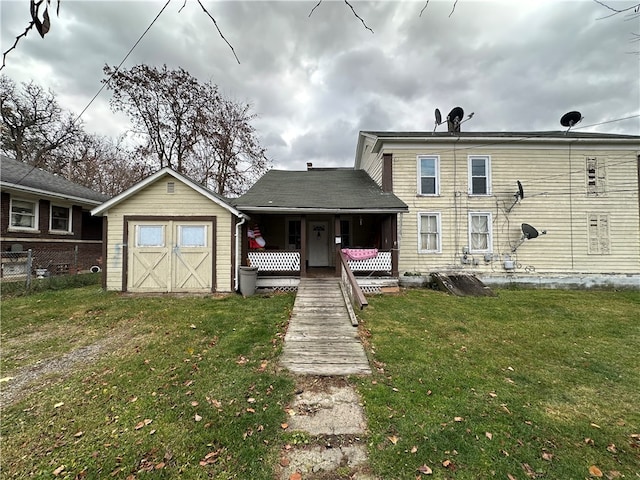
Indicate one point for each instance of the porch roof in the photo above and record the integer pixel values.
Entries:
(340, 190)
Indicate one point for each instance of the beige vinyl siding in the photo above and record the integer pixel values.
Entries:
(371, 162)
(556, 201)
(154, 200)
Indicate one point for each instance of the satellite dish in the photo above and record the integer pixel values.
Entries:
(528, 231)
(438, 117)
(570, 119)
(519, 195)
(454, 119)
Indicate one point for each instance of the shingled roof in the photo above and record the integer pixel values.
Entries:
(318, 190)
(19, 176)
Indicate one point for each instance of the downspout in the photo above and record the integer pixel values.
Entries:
(238, 253)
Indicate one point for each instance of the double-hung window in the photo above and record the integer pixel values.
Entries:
(480, 237)
(428, 175)
(60, 218)
(24, 214)
(429, 232)
(479, 175)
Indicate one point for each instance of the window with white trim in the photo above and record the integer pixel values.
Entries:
(60, 218)
(598, 234)
(192, 235)
(479, 175)
(429, 232)
(428, 175)
(480, 236)
(24, 214)
(595, 176)
(149, 235)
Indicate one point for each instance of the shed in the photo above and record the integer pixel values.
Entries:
(169, 234)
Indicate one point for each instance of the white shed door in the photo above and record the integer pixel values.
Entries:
(170, 256)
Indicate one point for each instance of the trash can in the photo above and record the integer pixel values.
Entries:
(248, 280)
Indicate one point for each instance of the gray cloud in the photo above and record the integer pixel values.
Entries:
(316, 81)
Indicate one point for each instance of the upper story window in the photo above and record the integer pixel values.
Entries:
(596, 176)
(428, 175)
(480, 237)
(60, 218)
(479, 175)
(429, 233)
(24, 214)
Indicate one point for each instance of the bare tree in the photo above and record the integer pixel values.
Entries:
(188, 126)
(33, 124)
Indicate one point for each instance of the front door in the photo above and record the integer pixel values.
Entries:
(318, 244)
(170, 256)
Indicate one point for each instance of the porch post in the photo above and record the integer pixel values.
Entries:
(303, 246)
(394, 245)
(337, 246)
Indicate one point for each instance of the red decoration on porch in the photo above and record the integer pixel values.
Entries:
(255, 238)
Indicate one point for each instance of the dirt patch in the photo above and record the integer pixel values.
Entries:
(33, 378)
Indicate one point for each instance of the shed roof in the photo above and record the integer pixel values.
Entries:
(164, 172)
(318, 190)
(19, 176)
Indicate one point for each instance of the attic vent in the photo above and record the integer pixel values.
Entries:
(171, 187)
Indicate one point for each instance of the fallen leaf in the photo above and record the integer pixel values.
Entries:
(458, 419)
(138, 426)
(284, 462)
(251, 410)
(393, 439)
(547, 456)
(588, 441)
(79, 434)
(197, 418)
(148, 421)
(414, 449)
(425, 469)
(159, 466)
(284, 426)
(595, 471)
(612, 448)
(195, 403)
(614, 474)
(510, 477)
(493, 395)
(58, 405)
(59, 470)
(489, 435)
(192, 326)
(295, 476)
(528, 470)
(263, 366)
(5, 379)
(595, 425)
(446, 463)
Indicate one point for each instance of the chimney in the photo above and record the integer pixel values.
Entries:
(387, 172)
(309, 166)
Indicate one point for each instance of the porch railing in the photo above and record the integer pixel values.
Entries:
(350, 284)
(275, 261)
(379, 263)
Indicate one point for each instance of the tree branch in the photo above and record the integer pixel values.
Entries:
(423, 8)
(358, 16)
(454, 8)
(15, 44)
(218, 28)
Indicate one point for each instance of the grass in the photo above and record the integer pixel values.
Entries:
(189, 389)
(530, 384)
(16, 288)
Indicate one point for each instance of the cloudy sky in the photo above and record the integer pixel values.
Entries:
(315, 81)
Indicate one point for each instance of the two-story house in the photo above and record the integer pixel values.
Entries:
(541, 207)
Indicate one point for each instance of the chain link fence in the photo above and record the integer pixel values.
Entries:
(25, 268)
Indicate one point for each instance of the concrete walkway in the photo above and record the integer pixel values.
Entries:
(321, 339)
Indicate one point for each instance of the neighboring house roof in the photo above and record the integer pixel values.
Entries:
(318, 190)
(486, 138)
(21, 177)
(214, 197)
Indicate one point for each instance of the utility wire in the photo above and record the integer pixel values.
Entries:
(108, 80)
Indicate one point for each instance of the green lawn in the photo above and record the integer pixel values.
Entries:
(532, 384)
(190, 388)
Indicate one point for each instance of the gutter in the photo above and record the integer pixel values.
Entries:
(236, 281)
(322, 210)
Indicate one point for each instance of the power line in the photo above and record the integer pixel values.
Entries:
(108, 80)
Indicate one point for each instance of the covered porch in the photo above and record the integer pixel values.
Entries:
(301, 223)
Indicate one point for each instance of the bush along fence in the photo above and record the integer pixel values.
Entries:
(21, 270)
